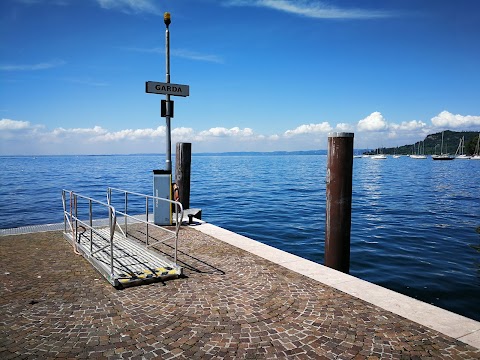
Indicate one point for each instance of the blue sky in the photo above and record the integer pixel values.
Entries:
(264, 75)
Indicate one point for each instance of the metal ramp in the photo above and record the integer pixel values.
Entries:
(122, 260)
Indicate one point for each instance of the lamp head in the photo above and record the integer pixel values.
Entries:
(166, 18)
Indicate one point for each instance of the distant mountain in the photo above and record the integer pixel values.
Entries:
(432, 143)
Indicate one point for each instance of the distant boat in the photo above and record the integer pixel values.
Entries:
(378, 156)
(459, 154)
(418, 155)
(442, 156)
(476, 154)
(395, 156)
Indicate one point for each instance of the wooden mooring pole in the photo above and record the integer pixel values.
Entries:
(339, 201)
(183, 160)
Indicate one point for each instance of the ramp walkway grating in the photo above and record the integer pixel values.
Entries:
(122, 260)
(132, 262)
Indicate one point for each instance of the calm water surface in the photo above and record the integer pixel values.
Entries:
(414, 222)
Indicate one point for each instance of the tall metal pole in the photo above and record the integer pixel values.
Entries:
(168, 165)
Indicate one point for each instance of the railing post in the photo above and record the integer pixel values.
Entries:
(110, 214)
(125, 213)
(75, 207)
(146, 217)
(183, 160)
(339, 201)
(91, 224)
(176, 243)
(64, 202)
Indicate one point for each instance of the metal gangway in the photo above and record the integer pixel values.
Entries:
(124, 260)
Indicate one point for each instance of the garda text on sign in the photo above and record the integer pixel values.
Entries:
(167, 88)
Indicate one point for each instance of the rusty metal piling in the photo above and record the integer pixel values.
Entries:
(339, 201)
(182, 172)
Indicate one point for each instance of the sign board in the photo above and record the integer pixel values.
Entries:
(166, 110)
(154, 87)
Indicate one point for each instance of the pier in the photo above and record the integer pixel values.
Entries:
(238, 299)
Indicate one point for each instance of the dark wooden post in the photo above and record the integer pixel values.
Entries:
(183, 160)
(339, 201)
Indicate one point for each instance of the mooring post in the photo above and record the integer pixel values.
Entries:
(183, 160)
(339, 201)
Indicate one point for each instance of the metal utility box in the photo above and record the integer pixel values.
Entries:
(162, 187)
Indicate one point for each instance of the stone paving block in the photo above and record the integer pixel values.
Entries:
(230, 304)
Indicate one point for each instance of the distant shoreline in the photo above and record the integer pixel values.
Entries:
(229, 153)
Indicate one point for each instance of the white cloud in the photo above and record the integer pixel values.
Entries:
(183, 132)
(448, 120)
(397, 131)
(13, 129)
(342, 127)
(373, 122)
(224, 132)
(183, 53)
(192, 55)
(312, 8)
(408, 125)
(309, 129)
(131, 134)
(32, 67)
(7, 124)
(61, 132)
(53, 2)
(28, 2)
(86, 81)
(130, 6)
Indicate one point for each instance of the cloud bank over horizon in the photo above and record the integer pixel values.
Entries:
(19, 137)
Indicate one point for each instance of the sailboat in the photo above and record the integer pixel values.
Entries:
(442, 156)
(476, 154)
(395, 155)
(378, 156)
(460, 149)
(418, 155)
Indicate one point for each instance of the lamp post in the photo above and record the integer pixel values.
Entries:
(168, 153)
(162, 179)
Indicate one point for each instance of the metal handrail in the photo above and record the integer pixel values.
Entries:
(178, 214)
(72, 216)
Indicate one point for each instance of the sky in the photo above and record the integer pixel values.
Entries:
(264, 75)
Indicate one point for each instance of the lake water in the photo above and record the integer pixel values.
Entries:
(415, 223)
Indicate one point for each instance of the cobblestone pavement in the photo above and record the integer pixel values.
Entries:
(231, 304)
